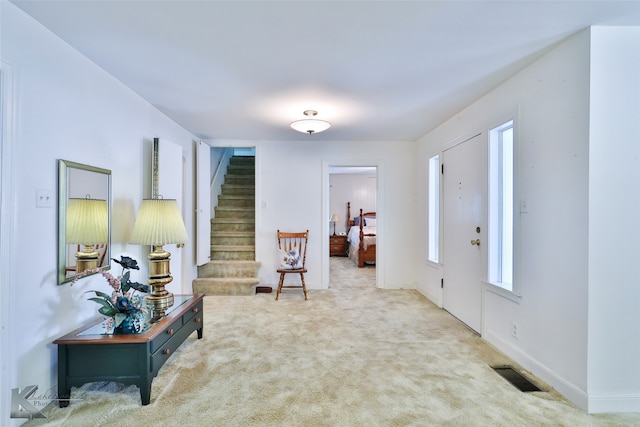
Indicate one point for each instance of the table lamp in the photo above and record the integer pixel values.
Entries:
(158, 223)
(87, 225)
(334, 219)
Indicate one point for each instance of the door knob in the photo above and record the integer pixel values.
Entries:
(476, 242)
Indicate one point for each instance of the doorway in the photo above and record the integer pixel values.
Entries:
(358, 183)
(465, 228)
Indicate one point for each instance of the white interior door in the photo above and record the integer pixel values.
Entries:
(169, 186)
(464, 220)
(203, 201)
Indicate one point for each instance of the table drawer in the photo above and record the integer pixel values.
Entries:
(165, 335)
(168, 348)
(194, 322)
(169, 331)
(195, 310)
(338, 245)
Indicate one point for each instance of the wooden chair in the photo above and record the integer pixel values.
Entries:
(293, 256)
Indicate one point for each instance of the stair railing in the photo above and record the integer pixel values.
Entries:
(217, 179)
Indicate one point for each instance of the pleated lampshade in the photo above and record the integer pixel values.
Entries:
(159, 222)
(87, 221)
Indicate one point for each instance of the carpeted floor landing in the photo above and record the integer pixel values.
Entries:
(352, 355)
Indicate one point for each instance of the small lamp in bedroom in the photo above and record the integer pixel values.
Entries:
(334, 219)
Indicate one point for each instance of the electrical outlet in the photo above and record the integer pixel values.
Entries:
(514, 329)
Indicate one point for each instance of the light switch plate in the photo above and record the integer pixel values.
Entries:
(44, 198)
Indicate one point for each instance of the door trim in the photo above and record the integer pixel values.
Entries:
(7, 225)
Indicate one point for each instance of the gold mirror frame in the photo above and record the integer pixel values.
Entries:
(76, 180)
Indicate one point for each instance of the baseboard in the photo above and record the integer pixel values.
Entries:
(614, 403)
(592, 404)
(436, 299)
(562, 386)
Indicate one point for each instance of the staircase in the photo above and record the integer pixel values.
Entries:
(232, 269)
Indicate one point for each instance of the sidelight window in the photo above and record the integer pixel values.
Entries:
(501, 210)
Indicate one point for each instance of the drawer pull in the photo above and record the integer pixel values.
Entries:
(196, 310)
(170, 331)
(166, 351)
(198, 320)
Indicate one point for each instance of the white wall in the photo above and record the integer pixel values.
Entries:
(292, 182)
(556, 310)
(359, 189)
(65, 107)
(614, 221)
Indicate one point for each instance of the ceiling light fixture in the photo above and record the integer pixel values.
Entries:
(310, 125)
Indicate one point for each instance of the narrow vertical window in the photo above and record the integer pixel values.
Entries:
(434, 209)
(501, 155)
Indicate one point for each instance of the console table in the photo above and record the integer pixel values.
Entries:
(88, 354)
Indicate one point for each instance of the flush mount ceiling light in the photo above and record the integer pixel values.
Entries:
(310, 125)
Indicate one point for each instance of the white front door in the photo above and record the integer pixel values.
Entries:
(169, 185)
(465, 227)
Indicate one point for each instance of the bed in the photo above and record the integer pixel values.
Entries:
(361, 238)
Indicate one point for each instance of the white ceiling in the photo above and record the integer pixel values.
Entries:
(377, 70)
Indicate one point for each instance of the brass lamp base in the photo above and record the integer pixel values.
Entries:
(87, 259)
(159, 303)
(159, 300)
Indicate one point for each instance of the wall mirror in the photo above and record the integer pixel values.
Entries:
(84, 219)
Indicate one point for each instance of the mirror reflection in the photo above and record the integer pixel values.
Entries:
(84, 213)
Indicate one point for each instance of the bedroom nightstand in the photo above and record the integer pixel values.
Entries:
(337, 245)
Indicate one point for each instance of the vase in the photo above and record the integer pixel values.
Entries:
(133, 324)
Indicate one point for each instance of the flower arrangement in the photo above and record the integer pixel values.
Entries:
(124, 307)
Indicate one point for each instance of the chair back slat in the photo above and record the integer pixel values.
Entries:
(289, 240)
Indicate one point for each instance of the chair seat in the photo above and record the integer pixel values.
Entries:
(288, 270)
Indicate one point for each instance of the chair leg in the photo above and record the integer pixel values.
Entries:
(280, 285)
(304, 287)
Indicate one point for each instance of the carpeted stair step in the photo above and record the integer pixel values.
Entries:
(233, 252)
(228, 269)
(237, 201)
(236, 238)
(242, 179)
(238, 190)
(226, 286)
(241, 169)
(234, 212)
(243, 160)
(233, 224)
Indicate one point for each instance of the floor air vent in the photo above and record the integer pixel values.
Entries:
(516, 378)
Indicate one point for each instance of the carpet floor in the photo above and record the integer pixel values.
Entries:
(352, 355)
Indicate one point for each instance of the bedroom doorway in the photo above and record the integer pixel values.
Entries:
(357, 185)
(465, 225)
